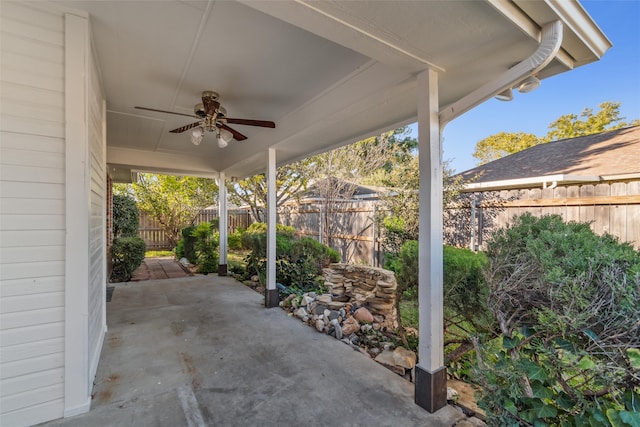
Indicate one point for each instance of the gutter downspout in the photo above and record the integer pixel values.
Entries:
(550, 43)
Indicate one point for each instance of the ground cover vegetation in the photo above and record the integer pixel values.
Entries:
(127, 250)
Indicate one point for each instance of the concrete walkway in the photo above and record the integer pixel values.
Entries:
(203, 351)
(155, 268)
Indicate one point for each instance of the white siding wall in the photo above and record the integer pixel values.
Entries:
(32, 224)
(97, 222)
(40, 283)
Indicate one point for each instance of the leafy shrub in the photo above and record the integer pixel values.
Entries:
(465, 290)
(234, 240)
(299, 262)
(126, 218)
(127, 253)
(567, 303)
(186, 245)
(206, 247)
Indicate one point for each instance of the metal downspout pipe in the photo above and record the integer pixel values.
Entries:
(550, 43)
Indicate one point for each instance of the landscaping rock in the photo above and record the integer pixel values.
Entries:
(363, 315)
(337, 328)
(301, 313)
(324, 298)
(320, 325)
(405, 358)
(350, 326)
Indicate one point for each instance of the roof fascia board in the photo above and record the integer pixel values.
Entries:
(577, 20)
(528, 182)
(550, 42)
(523, 21)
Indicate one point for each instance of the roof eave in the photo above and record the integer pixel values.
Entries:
(543, 181)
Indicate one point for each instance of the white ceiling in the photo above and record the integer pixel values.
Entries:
(327, 73)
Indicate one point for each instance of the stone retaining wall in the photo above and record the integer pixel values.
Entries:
(373, 288)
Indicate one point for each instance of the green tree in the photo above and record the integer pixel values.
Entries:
(588, 123)
(502, 144)
(291, 180)
(175, 201)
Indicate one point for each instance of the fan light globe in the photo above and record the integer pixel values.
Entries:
(224, 137)
(196, 135)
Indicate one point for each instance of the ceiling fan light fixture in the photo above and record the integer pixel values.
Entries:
(196, 135)
(223, 137)
(529, 84)
(505, 95)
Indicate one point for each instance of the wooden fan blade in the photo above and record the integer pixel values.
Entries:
(236, 135)
(248, 122)
(185, 127)
(164, 111)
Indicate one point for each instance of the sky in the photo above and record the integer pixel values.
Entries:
(615, 77)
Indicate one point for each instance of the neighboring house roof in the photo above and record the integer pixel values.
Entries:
(605, 156)
(357, 192)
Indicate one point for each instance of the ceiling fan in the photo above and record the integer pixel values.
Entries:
(212, 117)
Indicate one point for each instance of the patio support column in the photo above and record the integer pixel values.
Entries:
(431, 374)
(271, 297)
(222, 225)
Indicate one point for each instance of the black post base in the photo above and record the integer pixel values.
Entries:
(271, 298)
(222, 269)
(431, 389)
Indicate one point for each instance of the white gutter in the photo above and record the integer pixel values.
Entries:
(550, 42)
(550, 181)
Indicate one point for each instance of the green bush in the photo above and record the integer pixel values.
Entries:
(126, 218)
(567, 303)
(127, 253)
(465, 290)
(299, 262)
(234, 240)
(186, 245)
(206, 247)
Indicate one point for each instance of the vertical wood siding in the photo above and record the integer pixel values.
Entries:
(32, 215)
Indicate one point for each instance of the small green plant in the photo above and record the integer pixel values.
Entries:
(205, 247)
(126, 218)
(127, 253)
(186, 245)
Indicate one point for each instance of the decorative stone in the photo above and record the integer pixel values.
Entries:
(324, 298)
(363, 315)
(320, 308)
(320, 325)
(333, 314)
(452, 394)
(301, 312)
(306, 299)
(255, 278)
(326, 313)
(338, 329)
(405, 358)
(387, 360)
(350, 326)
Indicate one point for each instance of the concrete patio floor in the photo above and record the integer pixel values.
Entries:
(203, 351)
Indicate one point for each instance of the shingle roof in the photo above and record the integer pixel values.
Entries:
(615, 152)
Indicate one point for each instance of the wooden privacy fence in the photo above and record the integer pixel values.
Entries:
(612, 208)
(154, 236)
(350, 227)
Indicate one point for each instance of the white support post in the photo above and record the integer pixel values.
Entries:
(431, 376)
(222, 224)
(271, 292)
(77, 384)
